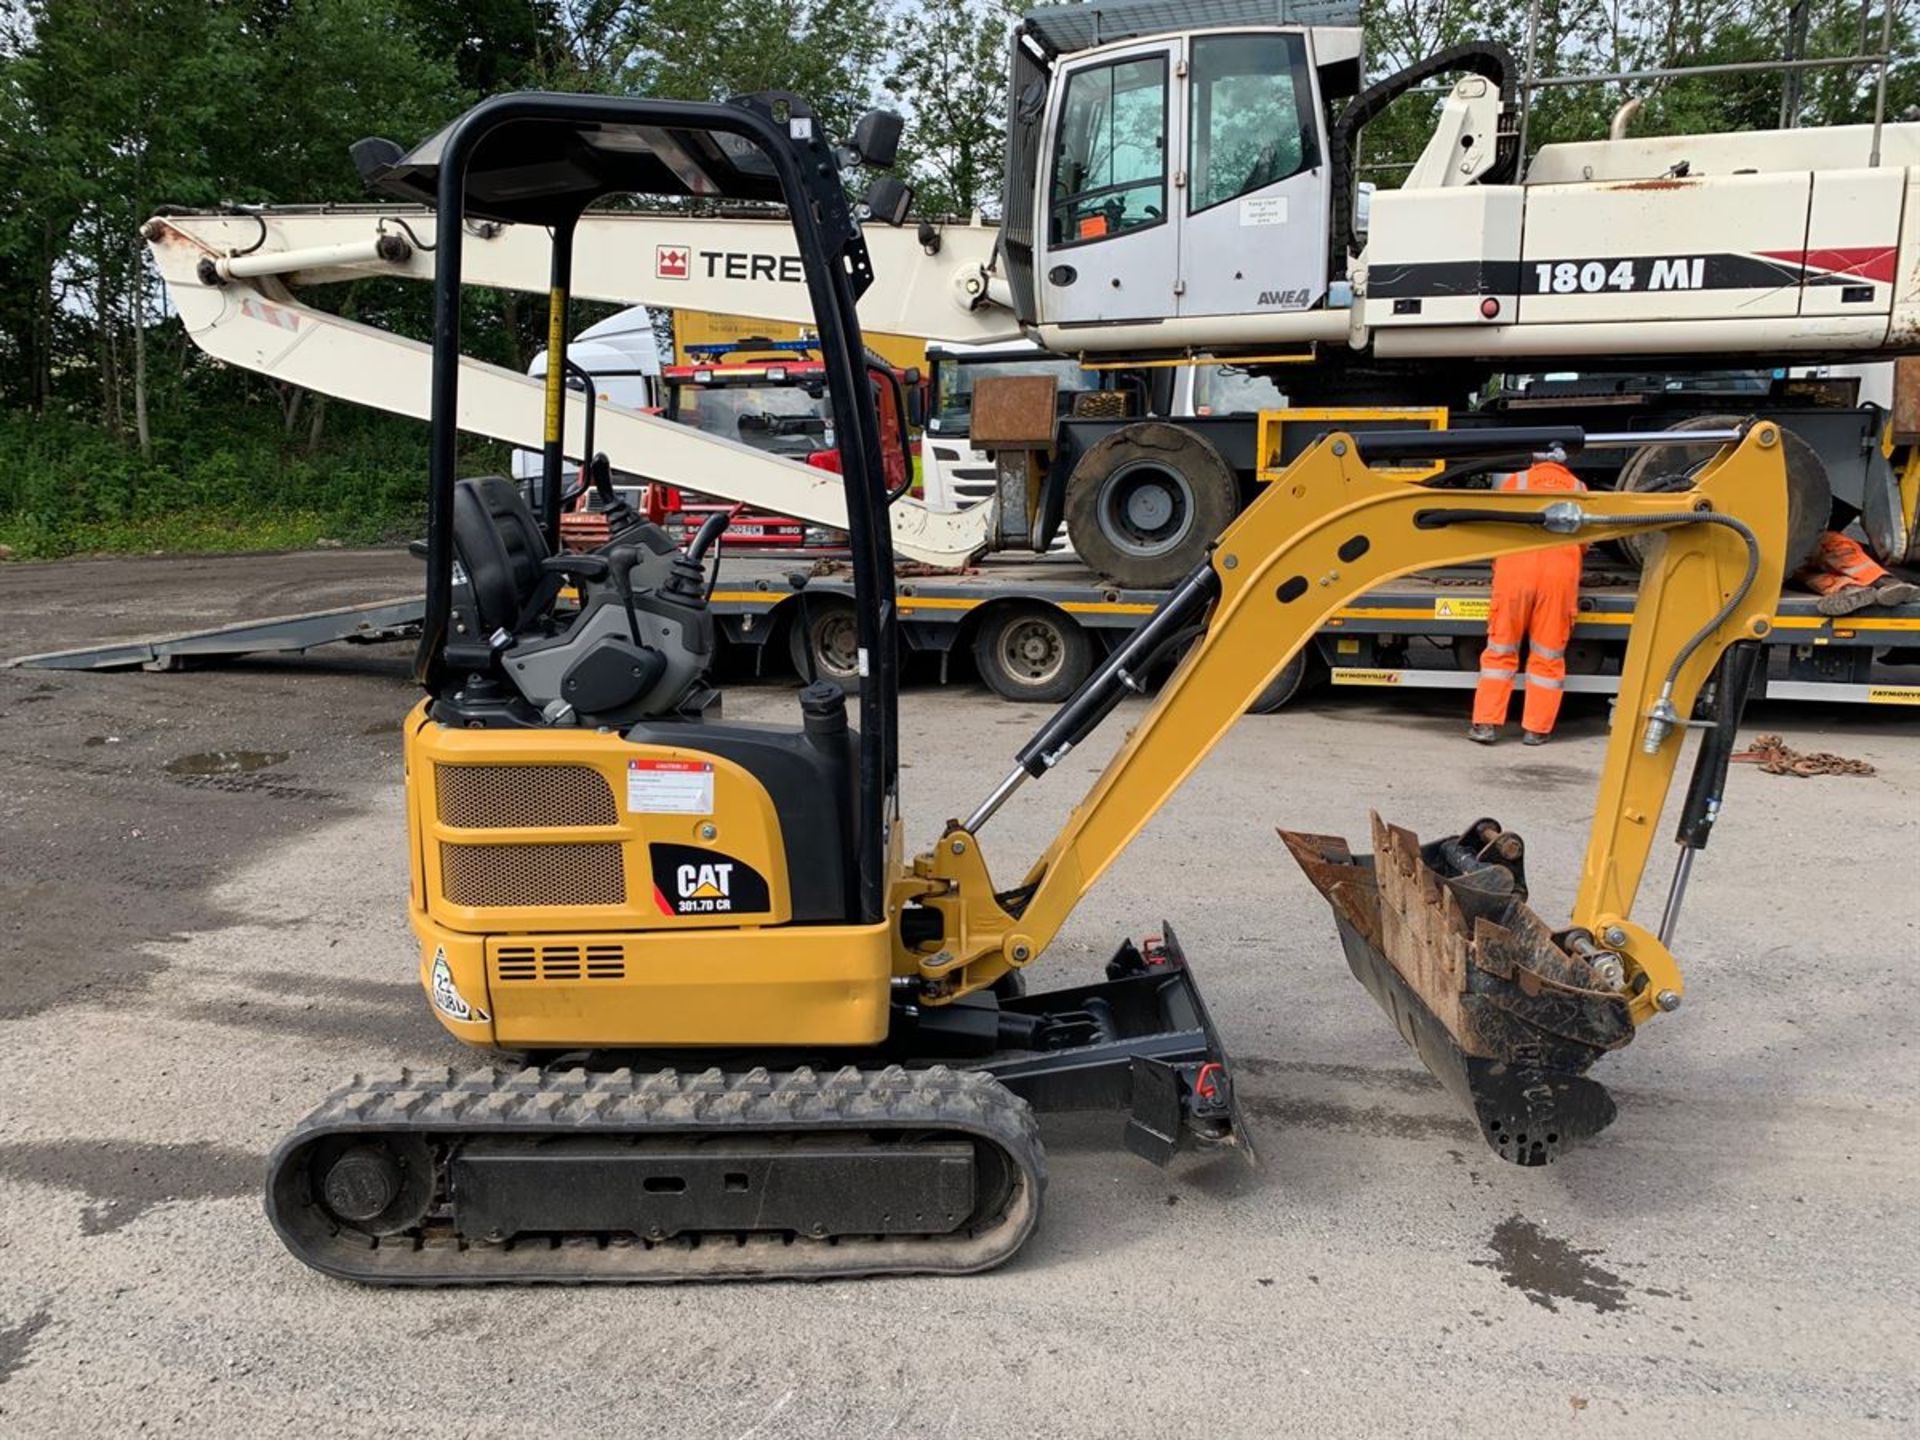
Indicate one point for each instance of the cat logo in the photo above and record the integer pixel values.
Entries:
(704, 882)
(691, 880)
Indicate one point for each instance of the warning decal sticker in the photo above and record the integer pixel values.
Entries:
(447, 998)
(670, 787)
(1461, 607)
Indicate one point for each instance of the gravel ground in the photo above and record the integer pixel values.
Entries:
(191, 954)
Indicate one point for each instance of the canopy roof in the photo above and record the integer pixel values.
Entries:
(542, 171)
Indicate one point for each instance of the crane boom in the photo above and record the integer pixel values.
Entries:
(249, 317)
(939, 288)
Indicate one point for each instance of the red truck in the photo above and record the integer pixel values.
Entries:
(772, 395)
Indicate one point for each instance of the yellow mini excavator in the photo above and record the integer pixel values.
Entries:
(604, 867)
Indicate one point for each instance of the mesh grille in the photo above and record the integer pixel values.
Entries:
(477, 797)
(521, 964)
(532, 874)
(1100, 405)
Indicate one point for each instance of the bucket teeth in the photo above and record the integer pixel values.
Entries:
(1505, 1019)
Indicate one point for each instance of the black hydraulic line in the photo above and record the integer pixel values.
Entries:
(1490, 61)
(1440, 518)
(1102, 690)
(1733, 683)
(1383, 445)
(400, 222)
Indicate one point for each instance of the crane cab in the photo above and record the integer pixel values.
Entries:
(1157, 180)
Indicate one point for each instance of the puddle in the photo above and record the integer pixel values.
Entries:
(125, 1179)
(224, 762)
(16, 1340)
(1546, 1269)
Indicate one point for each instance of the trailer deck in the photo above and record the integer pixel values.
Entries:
(1418, 632)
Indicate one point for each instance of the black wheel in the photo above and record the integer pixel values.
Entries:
(1300, 675)
(1031, 652)
(824, 629)
(1672, 467)
(1144, 503)
(379, 1185)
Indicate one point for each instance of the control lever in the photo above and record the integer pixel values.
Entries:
(687, 583)
(620, 515)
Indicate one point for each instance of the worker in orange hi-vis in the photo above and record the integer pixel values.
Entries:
(1847, 578)
(1535, 595)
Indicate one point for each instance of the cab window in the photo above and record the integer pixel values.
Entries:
(1251, 121)
(1110, 161)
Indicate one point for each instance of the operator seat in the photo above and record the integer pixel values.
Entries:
(501, 547)
(636, 648)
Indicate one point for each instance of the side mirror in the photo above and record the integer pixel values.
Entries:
(374, 156)
(876, 138)
(916, 403)
(888, 199)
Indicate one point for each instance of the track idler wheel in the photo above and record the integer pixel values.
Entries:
(1506, 1018)
(377, 1186)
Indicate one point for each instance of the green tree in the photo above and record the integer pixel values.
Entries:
(950, 82)
(827, 51)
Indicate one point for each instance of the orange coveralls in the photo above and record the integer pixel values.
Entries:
(1839, 564)
(1535, 595)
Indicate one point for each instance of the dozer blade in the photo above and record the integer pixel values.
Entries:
(1507, 1020)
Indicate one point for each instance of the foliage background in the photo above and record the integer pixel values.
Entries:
(116, 433)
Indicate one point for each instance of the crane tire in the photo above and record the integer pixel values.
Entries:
(1145, 502)
(1672, 467)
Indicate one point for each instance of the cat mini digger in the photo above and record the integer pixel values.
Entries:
(601, 864)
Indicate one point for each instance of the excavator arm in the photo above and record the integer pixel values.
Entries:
(1505, 1009)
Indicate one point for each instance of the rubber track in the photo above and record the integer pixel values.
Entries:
(448, 1105)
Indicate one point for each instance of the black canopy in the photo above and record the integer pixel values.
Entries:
(544, 171)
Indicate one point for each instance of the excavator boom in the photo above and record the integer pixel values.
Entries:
(1506, 1009)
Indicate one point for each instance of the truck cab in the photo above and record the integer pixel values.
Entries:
(772, 395)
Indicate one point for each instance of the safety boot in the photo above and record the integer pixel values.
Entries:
(1482, 734)
(1889, 591)
(1845, 602)
(1533, 737)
